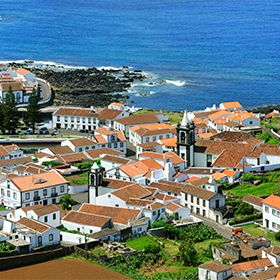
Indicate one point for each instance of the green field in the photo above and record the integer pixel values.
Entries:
(139, 243)
(261, 190)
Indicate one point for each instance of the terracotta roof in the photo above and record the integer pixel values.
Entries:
(202, 171)
(15, 86)
(3, 152)
(154, 205)
(274, 113)
(118, 215)
(149, 145)
(96, 153)
(169, 142)
(265, 275)
(218, 176)
(100, 139)
(108, 114)
(131, 191)
(231, 105)
(15, 161)
(139, 119)
(61, 150)
(174, 206)
(23, 71)
(33, 224)
(115, 159)
(116, 104)
(86, 219)
(272, 200)
(168, 187)
(117, 184)
(153, 129)
(222, 114)
(253, 199)
(236, 137)
(207, 135)
(82, 142)
(138, 202)
(199, 192)
(41, 210)
(74, 157)
(215, 266)
(200, 181)
(38, 181)
(140, 167)
(175, 158)
(74, 111)
(251, 265)
(229, 159)
(241, 116)
(229, 173)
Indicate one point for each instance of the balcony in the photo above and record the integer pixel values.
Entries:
(36, 198)
(54, 194)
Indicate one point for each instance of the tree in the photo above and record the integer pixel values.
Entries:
(244, 209)
(33, 115)
(1, 118)
(277, 235)
(67, 202)
(10, 113)
(187, 253)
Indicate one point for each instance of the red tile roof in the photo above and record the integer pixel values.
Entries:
(272, 200)
(251, 265)
(33, 224)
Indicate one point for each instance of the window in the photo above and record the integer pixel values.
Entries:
(91, 231)
(8, 193)
(45, 192)
(58, 118)
(80, 149)
(121, 144)
(197, 200)
(191, 198)
(2, 192)
(54, 216)
(72, 119)
(51, 237)
(15, 196)
(45, 219)
(115, 145)
(61, 189)
(154, 138)
(266, 209)
(147, 139)
(204, 202)
(154, 213)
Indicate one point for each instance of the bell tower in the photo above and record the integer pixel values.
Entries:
(186, 140)
(95, 180)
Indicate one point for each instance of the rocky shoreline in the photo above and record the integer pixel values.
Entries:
(81, 86)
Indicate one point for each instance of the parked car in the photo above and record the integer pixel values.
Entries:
(29, 131)
(44, 130)
(55, 132)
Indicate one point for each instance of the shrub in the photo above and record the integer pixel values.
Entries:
(51, 163)
(277, 235)
(244, 209)
(158, 224)
(243, 219)
(187, 253)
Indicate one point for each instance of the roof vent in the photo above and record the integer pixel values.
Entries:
(40, 181)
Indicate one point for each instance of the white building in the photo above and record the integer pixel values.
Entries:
(86, 222)
(271, 213)
(49, 214)
(46, 188)
(214, 271)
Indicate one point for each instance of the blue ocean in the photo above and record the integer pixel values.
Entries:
(207, 51)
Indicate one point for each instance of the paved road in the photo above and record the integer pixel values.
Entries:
(223, 230)
(45, 91)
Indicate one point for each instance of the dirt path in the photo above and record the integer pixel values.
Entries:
(67, 269)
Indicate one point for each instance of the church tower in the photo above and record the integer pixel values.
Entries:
(95, 180)
(186, 140)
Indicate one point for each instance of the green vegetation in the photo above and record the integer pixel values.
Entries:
(67, 201)
(86, 165)
(51, 163)
(266, 135)
(33, 114)
(78, 179)
(277, 236)
(6, 247)
(267, 183)
(174, 117)
(2, 207)
(63, 228)
(176, 257)
(140, 243)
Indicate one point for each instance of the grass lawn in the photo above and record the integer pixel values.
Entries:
(2, 207)
(263, 189)
(174, 117)
(79, 179)
(139, 243)
(204, 244)
(255, 230)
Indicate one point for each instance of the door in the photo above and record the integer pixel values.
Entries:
(45, 202)
(39, 241)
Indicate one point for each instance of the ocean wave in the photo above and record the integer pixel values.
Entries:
(178, 83)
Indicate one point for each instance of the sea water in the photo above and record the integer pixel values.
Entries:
(199, 52)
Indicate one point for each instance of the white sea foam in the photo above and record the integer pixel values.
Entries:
(178, 83)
